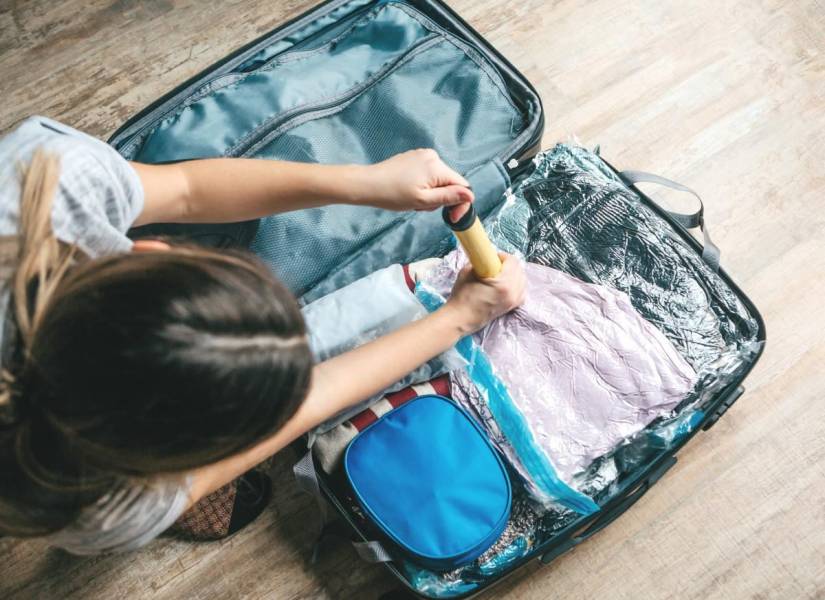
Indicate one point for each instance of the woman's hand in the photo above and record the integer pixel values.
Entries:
(476, 301)
(415, 180)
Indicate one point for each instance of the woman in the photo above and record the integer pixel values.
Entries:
(140, 378)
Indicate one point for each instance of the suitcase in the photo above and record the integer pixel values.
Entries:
(344, 83)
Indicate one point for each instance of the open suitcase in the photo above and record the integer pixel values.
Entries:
(356, 81)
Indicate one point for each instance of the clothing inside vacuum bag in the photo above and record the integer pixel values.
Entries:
(583, 369)
(582, 366)
(574, 214)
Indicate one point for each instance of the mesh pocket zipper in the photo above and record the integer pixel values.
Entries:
(270, 129)
(282, 122)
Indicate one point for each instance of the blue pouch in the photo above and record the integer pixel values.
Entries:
(429, 478)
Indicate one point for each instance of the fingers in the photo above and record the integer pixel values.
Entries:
(514, 278)
(449, 186)
(448, 195)
(458, 211)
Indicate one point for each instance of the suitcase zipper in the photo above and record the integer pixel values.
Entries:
(217, 81)
(273, 127)
(295, 53)
(267, 131)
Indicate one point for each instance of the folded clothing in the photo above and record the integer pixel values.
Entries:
(361, 312)
(329, 447)
(581, 365)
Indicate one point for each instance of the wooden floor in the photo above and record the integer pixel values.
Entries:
(727, 96)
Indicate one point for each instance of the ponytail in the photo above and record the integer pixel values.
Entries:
(42, 259)
(34, 261)
(32, 264)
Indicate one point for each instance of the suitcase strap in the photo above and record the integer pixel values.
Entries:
(307, 479)
(710, 251)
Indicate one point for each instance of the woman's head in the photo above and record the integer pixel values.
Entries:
(167, 360)
(146, 363)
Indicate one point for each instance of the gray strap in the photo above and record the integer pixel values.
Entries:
(305, 476)
(710, 252)
(372, 552)
(307, 479)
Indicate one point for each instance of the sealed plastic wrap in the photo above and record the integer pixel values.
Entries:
(580, 364)
(574, 214)
(517, 540)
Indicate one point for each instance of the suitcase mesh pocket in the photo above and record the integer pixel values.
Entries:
(465, 115)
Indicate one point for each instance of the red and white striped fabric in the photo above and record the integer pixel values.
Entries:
(329, 447)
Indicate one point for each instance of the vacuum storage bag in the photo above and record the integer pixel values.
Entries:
(581, 365)
(360, 313)
(576, 215)
(581, 369)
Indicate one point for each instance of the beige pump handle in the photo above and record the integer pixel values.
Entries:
(470, 232)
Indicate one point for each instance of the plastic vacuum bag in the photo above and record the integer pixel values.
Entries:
(574, 214)
(581, 365)
(519, 538)
(521, 447)
(343, 320)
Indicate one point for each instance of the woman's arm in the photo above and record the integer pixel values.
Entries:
(353, 376)
(236, 189)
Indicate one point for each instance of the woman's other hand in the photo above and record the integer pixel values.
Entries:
(415, 180)
(476, 302)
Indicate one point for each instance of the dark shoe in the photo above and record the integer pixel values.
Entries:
(251, 498)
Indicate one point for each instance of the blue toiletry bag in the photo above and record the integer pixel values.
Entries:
(429, 478)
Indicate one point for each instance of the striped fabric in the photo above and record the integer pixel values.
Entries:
(329, 447)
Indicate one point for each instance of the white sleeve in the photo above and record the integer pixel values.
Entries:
(99, 194)
(126, 518)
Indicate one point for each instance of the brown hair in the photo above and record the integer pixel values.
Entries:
(134, 365)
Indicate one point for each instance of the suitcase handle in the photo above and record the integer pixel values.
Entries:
(710, 251)
(611, 514)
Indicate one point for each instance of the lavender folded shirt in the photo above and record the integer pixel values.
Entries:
(585, 369)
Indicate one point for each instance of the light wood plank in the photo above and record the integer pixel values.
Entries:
(727, 96)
